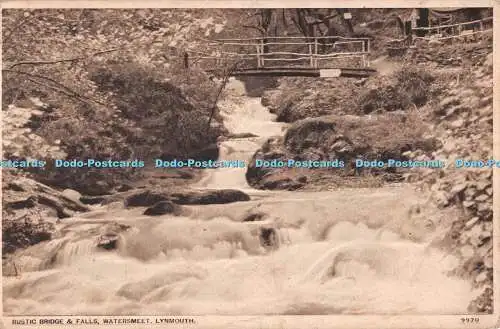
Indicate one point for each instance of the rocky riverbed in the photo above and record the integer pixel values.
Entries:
(353, 251)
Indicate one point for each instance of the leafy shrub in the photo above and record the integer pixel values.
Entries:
(386, 99)
(149, 117)
(410, 87)
(167, 122)
(415, 84)
(124, 96)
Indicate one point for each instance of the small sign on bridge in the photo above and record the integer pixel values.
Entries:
(330, 73)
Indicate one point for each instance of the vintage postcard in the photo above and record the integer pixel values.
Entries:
(250, 164)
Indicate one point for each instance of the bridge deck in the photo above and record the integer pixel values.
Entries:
(304, 72)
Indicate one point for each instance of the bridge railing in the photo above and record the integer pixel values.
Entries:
(458, 30)
(313, 53)
(445, 32)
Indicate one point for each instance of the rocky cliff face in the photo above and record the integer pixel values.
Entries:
(464, 123)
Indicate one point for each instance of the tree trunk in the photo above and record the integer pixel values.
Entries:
(422, 21)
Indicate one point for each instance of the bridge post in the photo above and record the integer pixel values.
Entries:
(258, 56)
(315, 53)
(311, 58)
(262, 52)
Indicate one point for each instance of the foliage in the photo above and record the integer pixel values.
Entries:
(116, 81)
(308, 22)
(415, 83)
(407, 88)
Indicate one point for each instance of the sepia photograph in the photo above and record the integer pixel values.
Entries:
(247, 162)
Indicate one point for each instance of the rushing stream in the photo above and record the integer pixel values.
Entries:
(346, 251)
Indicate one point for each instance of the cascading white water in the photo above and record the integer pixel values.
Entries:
(340, 252)
(250, 118)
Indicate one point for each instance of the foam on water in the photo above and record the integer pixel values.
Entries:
(336, 252)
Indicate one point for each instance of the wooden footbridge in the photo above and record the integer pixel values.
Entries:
(332, 56)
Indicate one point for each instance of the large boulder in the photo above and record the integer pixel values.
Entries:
(110, 236)
(31, 210)
(281, 183)
(108, 241)
(162, 208)
(308, 133)
(273, 149)
(340, 138)
(148, 198)
(210, 152)
(22, 192)
(209, 197)
(92, 200)
(71, 195)
(145, 199)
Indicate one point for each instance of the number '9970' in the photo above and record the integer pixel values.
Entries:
(470, 320)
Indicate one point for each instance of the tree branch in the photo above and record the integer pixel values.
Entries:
(261, 30)
(60, 91)
(225, 80)
(62, 60)
(66, 90)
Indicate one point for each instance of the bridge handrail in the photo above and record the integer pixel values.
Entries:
(297, 37)
(288, 43)
(262, 54)
(452, 25)
(253, 55)
(296, 54)
(308, 57)
(454, 36)
(249, 56)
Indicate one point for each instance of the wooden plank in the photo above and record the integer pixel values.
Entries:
(287, 59)
(332, 73)
(350, 73)
(284, 68)
(278, 73)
